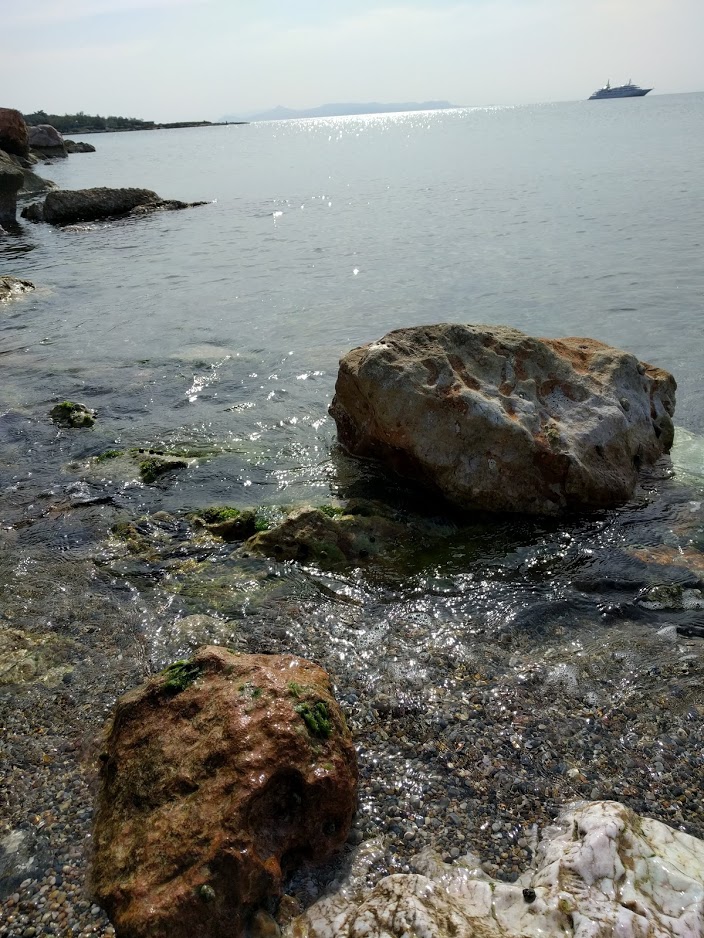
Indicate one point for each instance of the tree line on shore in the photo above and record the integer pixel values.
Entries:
(74, 123)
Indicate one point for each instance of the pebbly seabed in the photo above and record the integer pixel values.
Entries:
(496, 701)
(526, 663)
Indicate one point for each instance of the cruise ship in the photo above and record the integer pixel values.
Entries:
(619, 91)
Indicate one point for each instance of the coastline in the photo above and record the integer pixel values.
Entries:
(472, 729)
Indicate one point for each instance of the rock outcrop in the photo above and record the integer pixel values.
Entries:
(11, 179)
(46, 141)
(11, 287)
(78, 146)
(601, 871)
(217, 776)
(67, 207)
(13, 132)
(70, 415)
(491, 418)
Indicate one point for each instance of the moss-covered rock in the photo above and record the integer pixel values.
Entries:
(70, 415)
(154, 466)
(329, 538)
(227, 522)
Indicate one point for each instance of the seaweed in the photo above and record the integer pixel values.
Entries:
(180, 675)
(316, 718)
(108, 454)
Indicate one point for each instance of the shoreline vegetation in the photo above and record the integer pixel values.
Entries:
(81, 123)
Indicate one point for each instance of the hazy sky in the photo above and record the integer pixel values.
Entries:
(181, 59)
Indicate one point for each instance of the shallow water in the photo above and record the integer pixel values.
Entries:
(522, 662)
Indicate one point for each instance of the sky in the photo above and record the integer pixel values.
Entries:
(169, 60)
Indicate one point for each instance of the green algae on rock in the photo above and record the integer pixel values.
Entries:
(311, 535)
(180, 675)
(69, 414)
(316, 718)
(154, 466)
(227, 522)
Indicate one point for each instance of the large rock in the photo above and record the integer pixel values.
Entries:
(66, 207)
(217, 777)
(494, 419)
(46, 141)
(11, 179)
(13, 132)
(601, 872)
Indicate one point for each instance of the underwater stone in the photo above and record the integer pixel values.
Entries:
(11, 287)
(68, 414)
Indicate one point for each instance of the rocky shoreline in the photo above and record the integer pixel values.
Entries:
(484, 736)
(474, 725)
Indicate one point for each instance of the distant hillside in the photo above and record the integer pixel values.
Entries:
(341, 110)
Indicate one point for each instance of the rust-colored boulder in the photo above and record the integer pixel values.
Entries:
(13, 132)
(494, 419)
(217, 777)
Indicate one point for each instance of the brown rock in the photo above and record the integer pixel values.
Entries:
(13, 132)
(491, 418)
(218, 776)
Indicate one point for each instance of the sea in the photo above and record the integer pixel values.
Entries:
(214, 333)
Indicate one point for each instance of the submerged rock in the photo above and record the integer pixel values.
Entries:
(11, 287)
(218, 776)
(491, 418)
(69, 414)
(27, 657)
(67, 207)
(329, 537)
(600, 871)
(153, 466)
(231, 524)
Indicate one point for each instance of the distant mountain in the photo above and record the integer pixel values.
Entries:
(341, 110)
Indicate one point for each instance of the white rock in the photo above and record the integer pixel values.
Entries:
(600, 872)
(495, 419)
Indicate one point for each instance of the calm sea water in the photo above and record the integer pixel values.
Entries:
(218, 329)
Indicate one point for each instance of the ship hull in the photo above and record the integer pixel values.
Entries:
(617, 93)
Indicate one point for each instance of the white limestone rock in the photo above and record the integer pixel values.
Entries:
(601, 871)
(494, 419)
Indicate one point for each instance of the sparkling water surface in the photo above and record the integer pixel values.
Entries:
(218, 329)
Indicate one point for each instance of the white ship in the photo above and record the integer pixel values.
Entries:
(619, 91)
